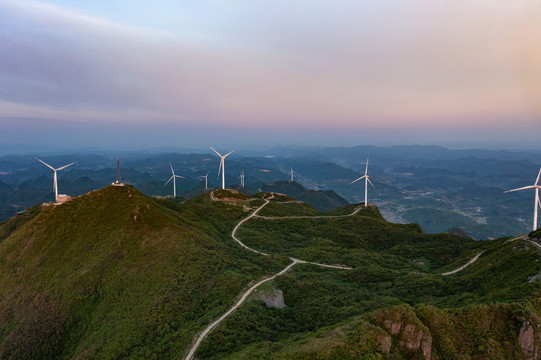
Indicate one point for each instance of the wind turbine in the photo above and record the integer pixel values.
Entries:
(535, 186)
(366, 178)
(55, 182)
(291, 173)
(174, 180)
(206, 178)
(222, 165)
(241, 177)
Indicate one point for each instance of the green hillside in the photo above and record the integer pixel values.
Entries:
(396, 280)
(116, 274)
(326, 200)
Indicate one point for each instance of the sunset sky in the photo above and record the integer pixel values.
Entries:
(172, 73)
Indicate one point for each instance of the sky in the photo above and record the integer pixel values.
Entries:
(136, 74)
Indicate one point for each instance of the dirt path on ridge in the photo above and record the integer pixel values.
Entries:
(247, 293)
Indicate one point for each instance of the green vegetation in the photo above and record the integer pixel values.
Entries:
(536, 234)
(321, 200)
(229, 194)
(116, 274)
(276, 208)
(334, 314)
(7, 227)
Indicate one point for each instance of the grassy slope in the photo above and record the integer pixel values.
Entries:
(115, 274)
(330, 314)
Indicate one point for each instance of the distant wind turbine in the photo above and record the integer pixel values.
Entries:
(174, 180)
(222, 165)
(55, 182)
(291, 173)
(241, 177)
(537, 203)
(366, 178)
(206, 179)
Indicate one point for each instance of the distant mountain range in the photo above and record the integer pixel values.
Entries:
(438, 188)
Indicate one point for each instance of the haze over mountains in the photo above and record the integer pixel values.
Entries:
(438, 188)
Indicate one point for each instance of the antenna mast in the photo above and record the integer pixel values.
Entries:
(117, 169)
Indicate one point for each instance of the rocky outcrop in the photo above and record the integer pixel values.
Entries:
(526, 340)
(271, 297)
(414, 338)
(406, 330)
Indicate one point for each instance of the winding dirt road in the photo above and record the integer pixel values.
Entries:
(245, 295)
(208, 329)
(357, 209)
(472, 260)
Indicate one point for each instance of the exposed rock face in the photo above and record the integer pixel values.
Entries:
(385, 342)
(414, 338)
(404, 326)
(271, 298)
(394, 327)
(526, 340)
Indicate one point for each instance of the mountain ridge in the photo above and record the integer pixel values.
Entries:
(114, 273)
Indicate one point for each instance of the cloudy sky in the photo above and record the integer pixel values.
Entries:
(99, 73)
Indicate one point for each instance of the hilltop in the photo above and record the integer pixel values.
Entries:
(321, 200)
(117, 274)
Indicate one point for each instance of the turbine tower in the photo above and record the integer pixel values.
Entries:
(222, 165)
(206, 178)
(55, 182)
(537, 203)
(241, 177)
(366, 178)
(174, 180)
(291, 173)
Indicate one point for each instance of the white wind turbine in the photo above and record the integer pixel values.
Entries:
(241, 177)
(206, 179)
(366, 178)
(535, 186)
(55, 182)
(222, 165)
(291, 173)
(174, 180)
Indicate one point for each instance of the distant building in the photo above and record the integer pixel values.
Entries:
(62, 198)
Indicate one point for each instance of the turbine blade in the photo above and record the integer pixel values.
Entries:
(171, 178)
(522, 188)
(182, 177)
(538, 176)
(65, 166)
(539, 201)
(366, 170)
(362, 177)
(367, 178)
(228, 153)
(173, 171)
(220, 168)
(208, 172)
(215, 151)
(44, 163)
